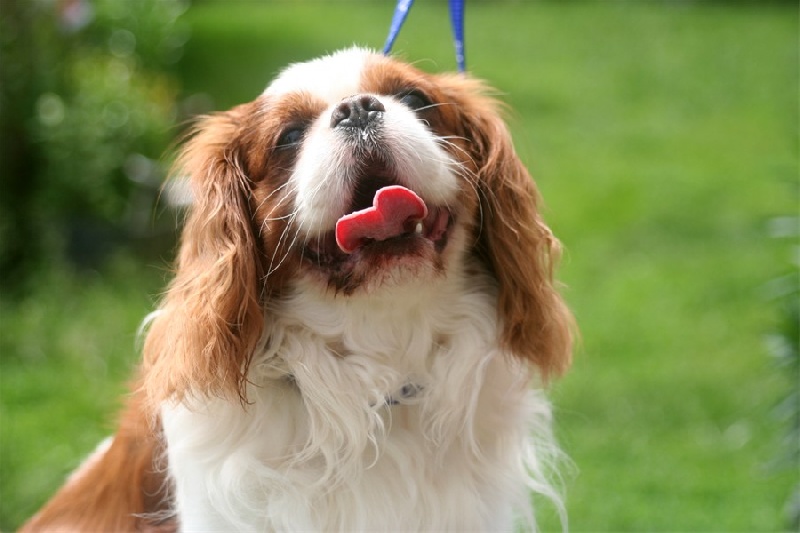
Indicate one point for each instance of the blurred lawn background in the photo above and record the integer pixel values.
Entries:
(663, 136)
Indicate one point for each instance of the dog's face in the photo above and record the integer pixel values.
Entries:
(325, 137)
(360, 174)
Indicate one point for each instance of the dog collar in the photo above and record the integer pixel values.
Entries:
(406, 392)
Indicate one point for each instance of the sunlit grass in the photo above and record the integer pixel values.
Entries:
(661, 135)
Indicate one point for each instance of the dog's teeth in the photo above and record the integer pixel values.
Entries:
(418, 228)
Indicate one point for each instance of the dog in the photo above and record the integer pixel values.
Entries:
(361, 326)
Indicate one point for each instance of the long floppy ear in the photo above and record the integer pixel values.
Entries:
(514, 239)
(201, 340)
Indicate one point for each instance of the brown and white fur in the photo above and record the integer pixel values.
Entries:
(287, 386)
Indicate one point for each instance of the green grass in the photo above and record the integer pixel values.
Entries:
(662, 135)
(68, 351)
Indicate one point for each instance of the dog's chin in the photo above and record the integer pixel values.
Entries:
(405, 260)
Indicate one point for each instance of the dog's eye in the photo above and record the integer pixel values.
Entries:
(291, 136)
(414, 100)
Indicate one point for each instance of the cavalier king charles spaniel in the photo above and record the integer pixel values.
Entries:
(361, 323)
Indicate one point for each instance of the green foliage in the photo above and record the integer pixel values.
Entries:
(784, 344)
(85, 92)
(114, 111)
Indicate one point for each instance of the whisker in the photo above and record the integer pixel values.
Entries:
(437, 104)
(291, 217)
(273, 219)
(448, 137)
(270, 270)
(269, 217)
(288, 250)
(279, 189)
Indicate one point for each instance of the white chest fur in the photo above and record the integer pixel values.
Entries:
(319, 447)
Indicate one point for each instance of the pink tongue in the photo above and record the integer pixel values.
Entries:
(395, 211)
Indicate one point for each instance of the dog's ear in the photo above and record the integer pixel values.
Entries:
(201, 340)
(513, 239)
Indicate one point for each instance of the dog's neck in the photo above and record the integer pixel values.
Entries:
(399, 330)
(347, 396)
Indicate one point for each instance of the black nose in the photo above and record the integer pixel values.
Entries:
(357, 112)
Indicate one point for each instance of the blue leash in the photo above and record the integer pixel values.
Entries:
(456, 19)
(399, 17)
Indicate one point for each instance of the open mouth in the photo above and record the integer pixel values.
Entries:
(384, 220)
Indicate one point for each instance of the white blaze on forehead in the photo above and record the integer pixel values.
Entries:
(330, 78)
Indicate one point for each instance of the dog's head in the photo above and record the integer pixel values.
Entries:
(358, 174)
